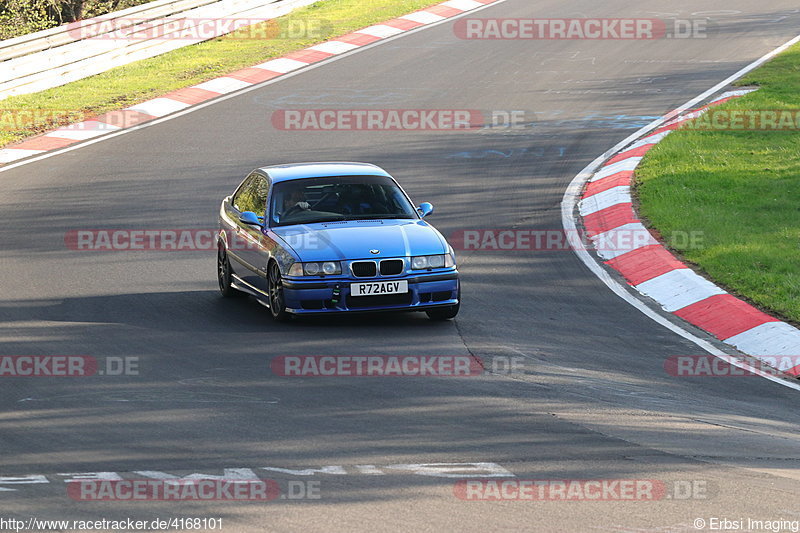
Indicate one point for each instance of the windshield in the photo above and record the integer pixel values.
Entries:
(311, 200)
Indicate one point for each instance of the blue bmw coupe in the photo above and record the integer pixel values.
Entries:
(316, 238)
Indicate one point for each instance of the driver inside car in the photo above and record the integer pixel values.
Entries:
(295, 199)
(293, 202)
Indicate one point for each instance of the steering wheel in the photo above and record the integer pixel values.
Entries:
(296, 207)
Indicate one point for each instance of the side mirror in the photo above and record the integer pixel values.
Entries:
(425, 209)
(249, 218)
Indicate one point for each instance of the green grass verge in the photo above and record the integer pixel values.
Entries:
(143, 80)
(741, 189)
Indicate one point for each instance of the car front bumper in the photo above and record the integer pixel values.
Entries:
(425, 291)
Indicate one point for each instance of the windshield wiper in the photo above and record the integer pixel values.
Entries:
(375, 217)
(292, 222)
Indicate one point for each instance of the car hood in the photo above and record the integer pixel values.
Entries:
(356, 239)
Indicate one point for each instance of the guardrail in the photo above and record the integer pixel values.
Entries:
(70, 52)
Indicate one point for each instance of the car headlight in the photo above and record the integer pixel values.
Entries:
(331, 267)
(325, 268)
(422, 262)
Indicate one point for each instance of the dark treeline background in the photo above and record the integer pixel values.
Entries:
(18, 17)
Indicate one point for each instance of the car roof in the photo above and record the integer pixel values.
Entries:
(321, 170)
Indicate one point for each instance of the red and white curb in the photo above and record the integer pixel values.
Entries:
(247, 77)
(607, 211)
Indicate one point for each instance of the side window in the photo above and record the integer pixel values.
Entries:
(252, 195)
(242, 193)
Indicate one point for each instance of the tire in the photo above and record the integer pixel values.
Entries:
(224, 275)
(277, 303)
(444, 313)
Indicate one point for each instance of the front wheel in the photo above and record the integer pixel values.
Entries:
(444, 313)
(224, 275)
(277, 303)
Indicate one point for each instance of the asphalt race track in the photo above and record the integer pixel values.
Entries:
(594, 402)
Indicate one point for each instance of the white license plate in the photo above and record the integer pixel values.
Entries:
(375, 288)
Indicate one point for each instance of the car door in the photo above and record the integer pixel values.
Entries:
(253, 247)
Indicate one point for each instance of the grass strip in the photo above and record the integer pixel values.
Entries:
(740, 189)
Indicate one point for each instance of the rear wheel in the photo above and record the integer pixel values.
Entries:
(277, 303)
(224, 275)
